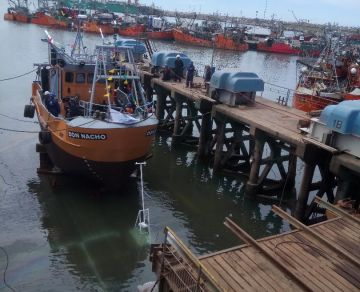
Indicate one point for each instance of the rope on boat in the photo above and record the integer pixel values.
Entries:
(19, 131)
(20, 120)
(18, 76)
(6, 268)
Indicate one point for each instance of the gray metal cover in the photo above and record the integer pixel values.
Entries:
(235, 81)
(167, 58)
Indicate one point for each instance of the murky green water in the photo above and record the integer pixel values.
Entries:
(65, 235)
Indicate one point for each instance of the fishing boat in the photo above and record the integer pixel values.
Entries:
(94, 26)
(95, 120)
(164, 35)
(278, 46)
(353, 88)
(18, 13)
(215, 40)
(233, 43)
(331, 80)
(130, 29)
(192, 38)
(45, 18)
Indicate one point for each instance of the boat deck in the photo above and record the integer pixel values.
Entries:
(318, 265)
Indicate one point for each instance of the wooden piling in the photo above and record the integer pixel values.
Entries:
(304, 192)
(252, 184)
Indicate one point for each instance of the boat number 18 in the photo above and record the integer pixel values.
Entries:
(337, 124)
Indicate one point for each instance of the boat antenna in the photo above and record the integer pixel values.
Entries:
(143, 217)
(79, 44)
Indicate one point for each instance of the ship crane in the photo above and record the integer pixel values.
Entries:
(293, 13)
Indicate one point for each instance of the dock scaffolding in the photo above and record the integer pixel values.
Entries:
(321, 257)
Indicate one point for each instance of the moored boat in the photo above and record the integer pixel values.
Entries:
(278, 46)
(130, 29)
(46, 19)
(19, 14)
(94, 26)
(225, 42)
(165, 35)
(216, 40)
(98, 135)
(332, 79)
(191, 38)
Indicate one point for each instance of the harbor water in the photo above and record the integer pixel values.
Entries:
(62, 234)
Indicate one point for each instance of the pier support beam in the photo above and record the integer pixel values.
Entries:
(46, 165)
(252, 186)
(161, 96)
(314, 159)
(304, 192)
(204, 149)
(220, 137)
(179, 100)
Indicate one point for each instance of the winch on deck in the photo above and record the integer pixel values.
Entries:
(164, 59)
(339, 127)
(234, 87)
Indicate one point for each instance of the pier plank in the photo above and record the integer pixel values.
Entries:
(314, 273)
(321, 267)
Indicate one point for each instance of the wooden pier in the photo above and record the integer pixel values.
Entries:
(322, 257)
(263, 141)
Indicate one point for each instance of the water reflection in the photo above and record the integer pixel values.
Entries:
(196, 201)
(91, 234)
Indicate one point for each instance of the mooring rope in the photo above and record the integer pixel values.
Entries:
(18, 76)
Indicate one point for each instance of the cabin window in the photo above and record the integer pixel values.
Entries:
(90, 77)
(80, 78)
(69, 77)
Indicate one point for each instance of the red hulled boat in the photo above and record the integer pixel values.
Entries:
(191, 38)
(218, 41)
(46, 19)
(280, 47)
(19, 14)
(330, 81)
(165, 35)
(131, 30)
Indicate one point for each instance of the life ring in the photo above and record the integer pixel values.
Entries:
(44, 137)
(29, 111)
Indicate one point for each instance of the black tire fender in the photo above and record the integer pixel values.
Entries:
(44, 137)
(29, 111)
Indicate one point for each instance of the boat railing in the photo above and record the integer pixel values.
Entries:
(277, 92)
(102, 110)
(183, 270)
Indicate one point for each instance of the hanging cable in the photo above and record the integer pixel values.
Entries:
(6, 267)
(19, 131)
(20, 120)
(18, 76)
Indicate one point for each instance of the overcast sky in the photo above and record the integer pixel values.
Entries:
(343, 12)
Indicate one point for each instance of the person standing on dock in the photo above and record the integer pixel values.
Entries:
(190, 75)
(179, 69)
(166, 74)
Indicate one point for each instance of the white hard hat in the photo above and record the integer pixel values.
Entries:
(177, 56)
(46, 92)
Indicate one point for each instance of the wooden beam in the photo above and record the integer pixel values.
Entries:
(243, 235)
(336, 210)
(313, 234)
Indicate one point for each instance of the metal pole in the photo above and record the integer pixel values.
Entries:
(142, 185)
